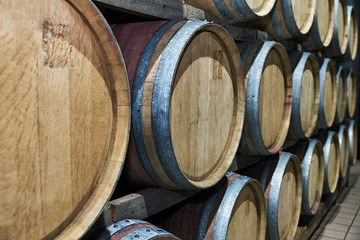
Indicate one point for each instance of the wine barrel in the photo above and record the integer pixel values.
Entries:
(353, 141)
(328, 94)
(65, 116)
(351, 95)
(353, 34)
(310, 152)
(305, 94)
(268, 97)
(340, 36)
(341, 84)
(233, 209)
(320, 34)
(129, 229)
(288, 19)
(343, 136)
(331, 149)
(240, 211)
(280, 178)
(234, 12)
(187, 101)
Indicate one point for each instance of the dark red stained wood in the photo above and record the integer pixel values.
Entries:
(188, 216)
(185, 220)
(132, 47)
(256, 171)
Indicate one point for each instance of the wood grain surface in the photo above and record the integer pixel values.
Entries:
(351, 93)
(64, 118)
(272, 103)
(342, 25)
(187, 107)
(344, 150)
(328, 97)
(341, 84)
(325, 19)
(316, 178)
(353, 33)
(303, 13)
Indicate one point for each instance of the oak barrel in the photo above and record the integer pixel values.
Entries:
(267, 74)
(280, 178)
(343, 136)
(351, 96)
(328, 93)
(310, 152)
(233, 209)
(321, 32)
(234, 12)
(353, 34)
(129, 229)
(187, 102)
(305, 94)
(288, 19)
(340, 36)
(65, 116)
(341, 84)
(331, 149)
(353, 141)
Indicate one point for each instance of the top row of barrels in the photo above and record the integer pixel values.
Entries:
(326, 25)
(66, 107)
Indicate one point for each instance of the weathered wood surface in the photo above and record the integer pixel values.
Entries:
(173, 9)
(139, 205)
(64, 118)
(165, 9)
(187, 120)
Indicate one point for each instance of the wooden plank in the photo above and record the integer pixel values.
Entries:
(139, 205)
(173, 9)
(239, 33)
(165, 9)
(146, 203)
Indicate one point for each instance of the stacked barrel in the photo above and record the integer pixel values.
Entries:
(173, 104)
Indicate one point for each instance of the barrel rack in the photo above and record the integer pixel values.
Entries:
(150, 201)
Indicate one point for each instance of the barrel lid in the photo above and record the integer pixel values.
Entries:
(64, 117)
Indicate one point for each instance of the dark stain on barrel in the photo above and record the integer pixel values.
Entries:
(56, 43)
(218, 57)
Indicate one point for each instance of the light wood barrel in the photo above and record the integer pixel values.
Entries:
(305, 94)
(341, 84)
(130, 229)
(328, 94)
(344, 145)
(280, 178)
(267, 113)
(340, 37)
(288, 19)
(353, 34)
(310, 152)
(322, 29)
(331, 149)
(353, 141)
(234, 11)
(187, 101)
(233, 209)
(65, 116)
(351, 96)
(240, 214)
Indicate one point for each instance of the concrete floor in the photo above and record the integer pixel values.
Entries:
(343, 219)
